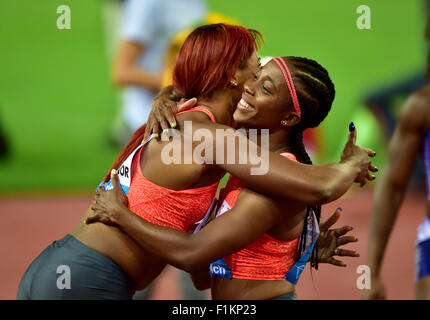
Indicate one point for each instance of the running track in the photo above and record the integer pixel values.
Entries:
(30, 223)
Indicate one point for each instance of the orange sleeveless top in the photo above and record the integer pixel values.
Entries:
(177, 209)
(266, 258)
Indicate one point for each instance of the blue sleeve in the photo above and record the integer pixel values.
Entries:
(140, 20)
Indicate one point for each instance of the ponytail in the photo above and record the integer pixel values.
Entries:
(134, 142)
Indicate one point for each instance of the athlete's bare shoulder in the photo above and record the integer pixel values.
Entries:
(416, 113)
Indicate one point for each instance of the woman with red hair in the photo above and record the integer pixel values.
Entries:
(104, 263)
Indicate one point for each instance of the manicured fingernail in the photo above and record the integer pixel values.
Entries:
(352, 228)
(373, 177)
(351, 126)
(85, 221)
(155, 135)
(173, 124)
(376, 169)
(340, 209)
(345, 265)
(358, 255)
(113, 171)
(165, 130)
(356, 239)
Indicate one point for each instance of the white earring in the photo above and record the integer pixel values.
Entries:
(234, 83)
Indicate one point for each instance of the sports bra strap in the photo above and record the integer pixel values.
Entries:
(289, 156)
(206, 111)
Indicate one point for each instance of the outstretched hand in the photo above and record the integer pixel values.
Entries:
(361, 155)
(330, 240)
(108, 204)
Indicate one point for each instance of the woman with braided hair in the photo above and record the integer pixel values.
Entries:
(262, 250)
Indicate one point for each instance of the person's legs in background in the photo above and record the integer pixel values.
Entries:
(422, 289)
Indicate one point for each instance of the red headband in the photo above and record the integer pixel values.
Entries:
(289, 80)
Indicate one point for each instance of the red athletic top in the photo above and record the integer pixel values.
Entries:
(266, 258)
(177, 209)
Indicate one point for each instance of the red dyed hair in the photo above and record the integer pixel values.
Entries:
(207, 60)
(210, 56)
(135, 140)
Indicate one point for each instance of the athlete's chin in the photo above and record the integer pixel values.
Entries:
(243, 118)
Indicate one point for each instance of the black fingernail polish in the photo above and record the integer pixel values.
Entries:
(351, 126)
(356, 240)
(358, 255)
(376, 169)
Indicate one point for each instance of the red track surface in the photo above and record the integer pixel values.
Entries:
(29, 224)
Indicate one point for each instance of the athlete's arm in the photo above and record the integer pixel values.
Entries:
(278, 176)
(251, 217)
(403, 151)
(127, 72)
(285, 178)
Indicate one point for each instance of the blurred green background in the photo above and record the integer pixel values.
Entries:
(57, 101)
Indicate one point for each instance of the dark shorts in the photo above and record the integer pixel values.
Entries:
(287, 296)
(422, 259)
(70, 270)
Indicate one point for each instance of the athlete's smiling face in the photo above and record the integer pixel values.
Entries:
(265, 100)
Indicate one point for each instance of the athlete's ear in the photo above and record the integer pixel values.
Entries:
(234, 82)
(290, 119)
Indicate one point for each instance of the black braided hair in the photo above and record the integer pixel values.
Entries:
(315, 92)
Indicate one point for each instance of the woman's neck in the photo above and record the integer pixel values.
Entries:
(220, 104)
(279, 140)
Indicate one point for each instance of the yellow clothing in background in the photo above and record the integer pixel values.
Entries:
(179, 38)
